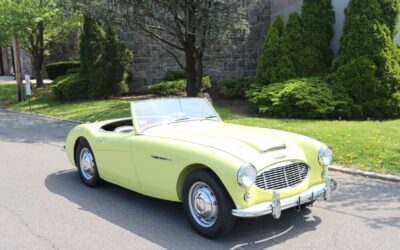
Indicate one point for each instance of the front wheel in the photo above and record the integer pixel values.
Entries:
(207, 204)
(86, 164)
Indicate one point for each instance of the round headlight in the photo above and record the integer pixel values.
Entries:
(325, 156)
(247, 175)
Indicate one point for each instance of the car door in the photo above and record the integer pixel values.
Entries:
(115, 159)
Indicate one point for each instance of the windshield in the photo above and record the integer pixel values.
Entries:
(164, 111)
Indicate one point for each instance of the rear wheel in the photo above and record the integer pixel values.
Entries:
(86, 164)
(207, 204)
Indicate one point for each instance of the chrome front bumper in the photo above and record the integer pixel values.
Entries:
(275, 206)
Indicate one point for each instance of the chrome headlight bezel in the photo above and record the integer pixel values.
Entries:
(325, 156)
(246, 175)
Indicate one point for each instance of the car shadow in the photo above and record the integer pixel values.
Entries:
(160, 221)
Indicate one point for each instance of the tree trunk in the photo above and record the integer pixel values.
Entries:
(194, 70)
(37, 51)
(37, 71)
(191, 75)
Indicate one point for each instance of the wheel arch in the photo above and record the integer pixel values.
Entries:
(189, 169)
(79, 139)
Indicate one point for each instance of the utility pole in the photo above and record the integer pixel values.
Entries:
(17, 63)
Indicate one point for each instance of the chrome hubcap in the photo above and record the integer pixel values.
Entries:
(203, 204)
(87, 163)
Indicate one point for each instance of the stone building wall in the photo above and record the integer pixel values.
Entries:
(238, 58)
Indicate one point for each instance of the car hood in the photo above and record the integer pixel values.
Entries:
(249, 144)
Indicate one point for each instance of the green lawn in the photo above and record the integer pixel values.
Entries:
(367, 145)
(7, 92)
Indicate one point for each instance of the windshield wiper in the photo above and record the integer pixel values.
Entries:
(180, 119)
(210, 117)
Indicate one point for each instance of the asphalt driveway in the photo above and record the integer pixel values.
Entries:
(43, 205)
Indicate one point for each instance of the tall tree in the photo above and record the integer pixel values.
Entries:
(367, 70)
(268, 70)
(184, 28)
(292, 48)
(38, 23)
(318, 18)
(104, 59)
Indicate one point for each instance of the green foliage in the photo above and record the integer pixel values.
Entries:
(111, 67)
(172, 75)
(299, 98)
(57, 69)
(236, 88)
(367, 70)
(176, 87)
(104, 60)
(318, 18)
(167, 88)
(38, 24)
(70, 87)
(90, 47)
(268, 70)
(291, 64)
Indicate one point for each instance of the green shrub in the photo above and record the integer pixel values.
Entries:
(367, 69)
(172, 75)
(72, 71)
(178, 87)
(166, 88)
(318, 18)
(236, 88)
(308, 98)
(57, 69)
(70, 87)
(291, 64)
(111, 67)
(267, 68)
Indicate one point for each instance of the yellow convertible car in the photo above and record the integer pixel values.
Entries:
(179, 149)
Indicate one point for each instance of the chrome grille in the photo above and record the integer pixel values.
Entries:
(282, 177)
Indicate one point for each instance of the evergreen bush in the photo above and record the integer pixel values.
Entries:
(176, 87)
(267, 68)
(111, 67)
(236, 88)
(318, 18)
(367, 70)
(57, 69)
(291, 64)
(70, 87)
(308, 98)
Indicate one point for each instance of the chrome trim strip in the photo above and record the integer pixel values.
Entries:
(275, 206)
(160, 158)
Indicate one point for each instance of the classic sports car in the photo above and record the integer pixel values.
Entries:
(178, 149)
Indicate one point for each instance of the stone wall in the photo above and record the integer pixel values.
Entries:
(238, 58)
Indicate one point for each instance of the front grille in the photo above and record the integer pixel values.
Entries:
(282, 177)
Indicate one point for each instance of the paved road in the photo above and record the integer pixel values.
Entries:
(43, 205)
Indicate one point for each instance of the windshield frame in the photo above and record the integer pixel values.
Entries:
(140, 131)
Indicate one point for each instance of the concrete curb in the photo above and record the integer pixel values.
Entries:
(372, 175)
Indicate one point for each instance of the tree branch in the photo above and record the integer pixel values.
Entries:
(159, 38)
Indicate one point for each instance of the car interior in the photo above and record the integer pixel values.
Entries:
(121, 126)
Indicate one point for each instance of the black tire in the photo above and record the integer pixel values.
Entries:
(95, 179)
(224, 219)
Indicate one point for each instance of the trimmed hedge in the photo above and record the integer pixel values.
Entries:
(177, 87)
(57, 69)
(70, 87)
(236, 88)
(308, 98)
(173, 75)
